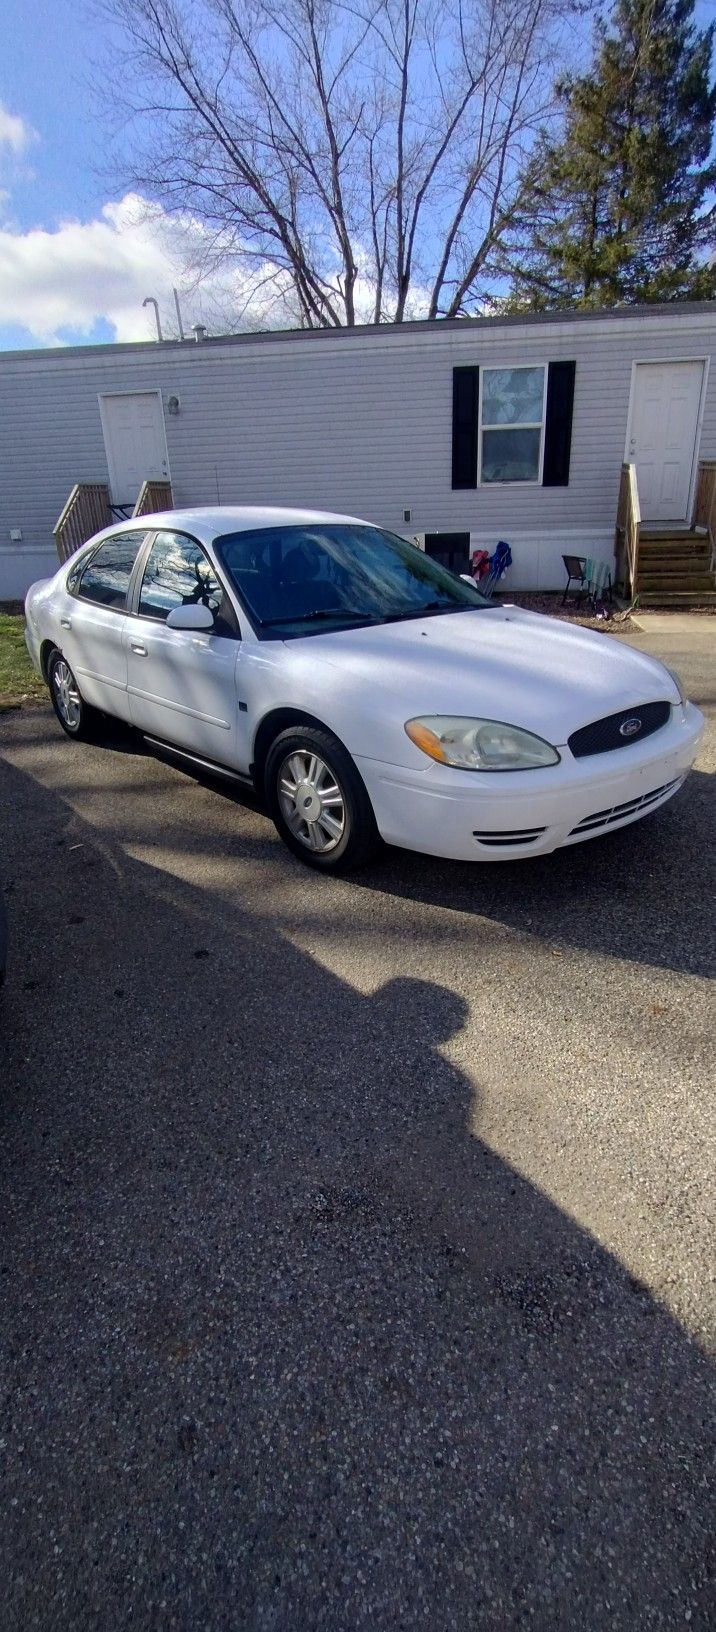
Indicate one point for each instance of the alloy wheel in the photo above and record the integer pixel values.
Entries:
(311, 801)
(66, 694)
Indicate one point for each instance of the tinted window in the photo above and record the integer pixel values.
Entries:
(337, 573)
(106, 579)
(75, 572)
(178, 573)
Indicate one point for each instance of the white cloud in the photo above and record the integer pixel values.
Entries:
(15, 133)
(79, 273)
(58, 284)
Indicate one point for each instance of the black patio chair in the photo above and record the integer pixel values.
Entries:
(575, 568)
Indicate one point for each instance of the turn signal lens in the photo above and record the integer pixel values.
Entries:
(426, 739)
(480, 745)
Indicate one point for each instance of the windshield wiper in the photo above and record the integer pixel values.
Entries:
(430, 606)
(342, 614)
(317, 616)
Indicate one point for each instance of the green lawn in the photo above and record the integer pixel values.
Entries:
(18, 681)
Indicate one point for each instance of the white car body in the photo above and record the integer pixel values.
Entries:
(209, 697)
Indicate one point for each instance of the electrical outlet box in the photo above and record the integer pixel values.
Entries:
(16, 535)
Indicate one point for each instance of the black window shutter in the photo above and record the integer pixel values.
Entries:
(558, 424)
(465, 382)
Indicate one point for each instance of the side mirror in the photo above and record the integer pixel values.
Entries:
(191, 617)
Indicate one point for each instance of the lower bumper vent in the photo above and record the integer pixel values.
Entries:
(605, 818)
(525, 835)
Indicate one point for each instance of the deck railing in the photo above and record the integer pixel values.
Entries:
(705, 503)
(86, 512)
(628, 532)
(153, 496)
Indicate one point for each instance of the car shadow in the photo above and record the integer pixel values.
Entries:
(637, 893)
(287, 1345)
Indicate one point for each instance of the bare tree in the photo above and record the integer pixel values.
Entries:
(364, 157)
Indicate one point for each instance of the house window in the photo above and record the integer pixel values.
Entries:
(511, 424)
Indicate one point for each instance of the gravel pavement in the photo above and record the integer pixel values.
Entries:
(356, 1237)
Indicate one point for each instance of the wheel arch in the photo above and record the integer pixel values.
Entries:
(46, 650)
(271, 726)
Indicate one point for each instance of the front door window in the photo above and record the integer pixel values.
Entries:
(179, 573)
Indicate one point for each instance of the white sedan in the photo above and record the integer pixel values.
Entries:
(363, 689)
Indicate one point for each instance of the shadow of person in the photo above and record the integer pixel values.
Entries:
(286, 1345)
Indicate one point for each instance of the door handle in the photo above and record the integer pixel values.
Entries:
(141, 651)
(66, 623)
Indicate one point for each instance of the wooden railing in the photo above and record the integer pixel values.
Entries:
(628, 530)
(153, 496)
(86, 512)
(705, 503)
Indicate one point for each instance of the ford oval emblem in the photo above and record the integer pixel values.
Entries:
(630, 728)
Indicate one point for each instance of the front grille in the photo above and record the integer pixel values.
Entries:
(605, 818)
(603, 735)
(523, 835)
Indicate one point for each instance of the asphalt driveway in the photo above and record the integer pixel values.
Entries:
(354, 1236)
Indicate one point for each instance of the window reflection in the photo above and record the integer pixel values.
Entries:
(341, 570)
(106, 579)
(177, 573)
(512, 414)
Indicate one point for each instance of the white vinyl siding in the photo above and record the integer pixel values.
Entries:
(358, 421)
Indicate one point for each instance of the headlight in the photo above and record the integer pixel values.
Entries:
(479, 745)
(678, 682)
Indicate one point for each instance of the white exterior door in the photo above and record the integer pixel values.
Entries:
(135, 442)
(663, 431)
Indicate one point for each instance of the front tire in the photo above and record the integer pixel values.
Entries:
(318, 801)
(77, 719)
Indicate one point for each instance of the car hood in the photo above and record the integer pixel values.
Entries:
(522, 667)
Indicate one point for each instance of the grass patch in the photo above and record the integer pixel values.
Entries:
(18, 682)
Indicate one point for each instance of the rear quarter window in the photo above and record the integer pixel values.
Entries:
(76, 570)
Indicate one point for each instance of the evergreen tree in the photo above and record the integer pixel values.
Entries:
(622, 209)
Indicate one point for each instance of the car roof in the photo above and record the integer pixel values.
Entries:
(207, 524)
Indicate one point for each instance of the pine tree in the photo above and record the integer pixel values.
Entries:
(622, 209)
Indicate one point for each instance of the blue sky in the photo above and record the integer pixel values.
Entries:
(43, 78)
(44, 82)
(77, 255)
(86, 282)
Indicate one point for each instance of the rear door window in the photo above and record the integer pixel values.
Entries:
(105, 580)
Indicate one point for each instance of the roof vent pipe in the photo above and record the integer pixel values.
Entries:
(150, 301)
(175, 293)
(199, 332)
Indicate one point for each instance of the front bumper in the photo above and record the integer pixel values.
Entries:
(501, 816)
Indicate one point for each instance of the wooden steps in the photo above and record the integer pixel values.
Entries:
(677, 597)
(668, 565)
(659, 535)
(675, 568)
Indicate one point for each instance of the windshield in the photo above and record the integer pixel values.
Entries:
(299, 580)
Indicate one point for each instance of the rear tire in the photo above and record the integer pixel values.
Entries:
(77, 719)
(318, 800)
